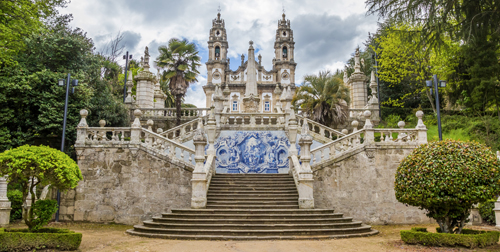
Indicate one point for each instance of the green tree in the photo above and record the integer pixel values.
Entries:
(21, 18)
(324, 97)
(32, 166)
(179, 61)
(446, 178)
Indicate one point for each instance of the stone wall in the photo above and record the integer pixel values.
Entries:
(361, 186)
(126, 186)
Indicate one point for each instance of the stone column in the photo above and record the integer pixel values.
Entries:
(306, 181)
(4, 203)
(211, 130)
(358, 86)
(136, 129)
(422, 130)
(369, 132)
(497, 204)
(199, 181)
(292, 133)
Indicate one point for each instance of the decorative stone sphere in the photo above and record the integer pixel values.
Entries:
(137, 113)
(419, 114)
(159, 130)
(367, 114)
(355, 124)
(401, 124)
(150, 122)
(102, 123)
(345, 131)
(84, 113)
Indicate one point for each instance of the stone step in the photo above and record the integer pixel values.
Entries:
(254, 232)
(228, 206)
(252, 216)
(258, 195)
(247, 238)
(277, 184)
(251, 191)
(252, 175)
(245, 198)
(245, 187)
(253, 211)
(255, 202)
(250, 220)
(253, 180)
(251, 226)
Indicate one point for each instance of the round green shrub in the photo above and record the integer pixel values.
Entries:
(446, 178)
(486, 211)
(43, 211)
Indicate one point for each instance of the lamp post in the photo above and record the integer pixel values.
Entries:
(374, 56)
(126, 57)
(437, 83)
(61, 83)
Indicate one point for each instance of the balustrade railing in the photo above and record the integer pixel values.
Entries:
(172, 112)
(107, 135)
(252, 119)
(185, 129)
(167, 147)
(320, 129)
(337, 147)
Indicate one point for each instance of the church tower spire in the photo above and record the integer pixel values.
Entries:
(284, 48)
(217, 52)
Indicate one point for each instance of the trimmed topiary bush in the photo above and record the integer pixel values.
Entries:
(30, 166)
(486, 211)
(16, 203)
(446, 178)
(469, 238)
(44, 238)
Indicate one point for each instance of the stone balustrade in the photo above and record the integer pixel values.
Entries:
(251, 120)
(134, 136)
(184, 130)
(320, 132)
(172, 112)
(369, 136)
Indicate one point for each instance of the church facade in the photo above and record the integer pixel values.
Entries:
(250, 88)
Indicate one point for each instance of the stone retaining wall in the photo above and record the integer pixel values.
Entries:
(126, 186)
(362, 186)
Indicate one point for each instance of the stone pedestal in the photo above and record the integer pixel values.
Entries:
(251, 104)
(497, 213)
(474, 217)
(4, 203)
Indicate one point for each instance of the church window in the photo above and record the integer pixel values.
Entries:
(284, 34)
(235, 106)
(217, 33)
(285, 52)
(267, 106)
(217, 51)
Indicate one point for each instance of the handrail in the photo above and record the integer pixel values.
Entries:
(321, 126)
(183, 126)
(173, 143)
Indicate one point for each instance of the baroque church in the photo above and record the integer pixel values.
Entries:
(250, 88)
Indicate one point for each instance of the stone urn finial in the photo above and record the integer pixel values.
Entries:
(83, 122)
(355, 125)
(368, 122)
(102, 123)
(150, 124)
(401, 124)
(137, 121)
(345, 131)
(159, 130)
(137, 113)
(420, 124)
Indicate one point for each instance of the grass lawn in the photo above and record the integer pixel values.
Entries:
(455, 134)
(111, 237)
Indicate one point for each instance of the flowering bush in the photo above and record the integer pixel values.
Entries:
(446, 178)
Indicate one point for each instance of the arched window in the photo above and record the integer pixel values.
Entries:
(217, 51)
(235, 106)
(267, 106)
(285, 52)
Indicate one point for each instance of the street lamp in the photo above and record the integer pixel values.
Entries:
(374, 57)
(437, 83)
(126, 57)
(61, 83)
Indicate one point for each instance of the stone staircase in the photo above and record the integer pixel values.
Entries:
(252, 207)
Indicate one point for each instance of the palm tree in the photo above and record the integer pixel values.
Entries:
(179, 61)
(323, 98)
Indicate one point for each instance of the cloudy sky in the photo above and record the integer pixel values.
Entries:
(326, 32)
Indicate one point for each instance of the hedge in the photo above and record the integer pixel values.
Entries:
(45, 238)
(469, 238)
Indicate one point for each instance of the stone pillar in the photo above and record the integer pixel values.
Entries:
(211, 130)
(422, 130)
(497, 213)
(369, 132)
(4, 203)
(130, 83)
(373, 102)
(136, 129)
(145, 85)
(306, 181)
(358, 86)
(292, 133)
(81, 129)
(199, 181)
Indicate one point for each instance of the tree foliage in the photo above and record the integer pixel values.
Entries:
(324, 97)
(179, 61)
(31, 166)
(446, 178)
